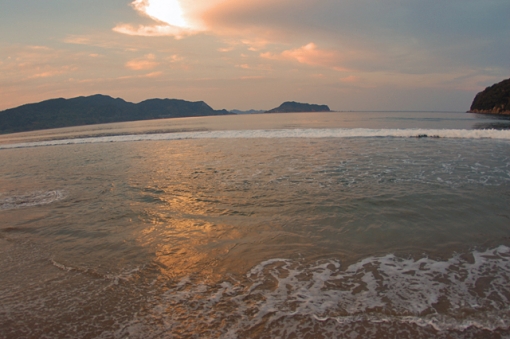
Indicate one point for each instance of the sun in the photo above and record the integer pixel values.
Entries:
(167, 11)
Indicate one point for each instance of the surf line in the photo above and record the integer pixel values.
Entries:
(278, 134)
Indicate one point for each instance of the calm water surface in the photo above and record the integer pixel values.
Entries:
(249, 235)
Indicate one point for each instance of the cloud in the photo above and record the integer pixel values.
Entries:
(396, 36)
(255, 44)
(350, 79)
(148, 62)
(226, 49)
(35, 62)
(47, 74)
(263, 19)
(168, 16)
(295, 44)
(156, 30)
(78, 40)
(153, 74)
(392, 35)
(257, 67)
(167, 11)
(310, 55)
(175, 58)
(252, 77)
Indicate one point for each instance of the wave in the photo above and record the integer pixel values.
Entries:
(467, 293)
(279, 133)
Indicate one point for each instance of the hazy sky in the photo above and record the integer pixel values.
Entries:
(348, 54)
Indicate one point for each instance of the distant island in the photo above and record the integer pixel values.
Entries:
(291, 106)
(97, 109)
(493, 100)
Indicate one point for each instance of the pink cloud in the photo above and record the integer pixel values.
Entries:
(350, 79)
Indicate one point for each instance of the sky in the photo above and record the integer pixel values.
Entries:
(429, 55)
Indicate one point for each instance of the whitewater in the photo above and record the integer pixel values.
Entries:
(276, 134)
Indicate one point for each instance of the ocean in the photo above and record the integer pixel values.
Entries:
(305, 225)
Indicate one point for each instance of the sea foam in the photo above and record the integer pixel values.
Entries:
(30, 199)
(286, 297)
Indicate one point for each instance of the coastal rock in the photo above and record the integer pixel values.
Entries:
(96, 109)
(493, 100)
(294, 107)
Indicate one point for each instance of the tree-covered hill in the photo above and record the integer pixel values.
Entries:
(494, 99)
(96, 109)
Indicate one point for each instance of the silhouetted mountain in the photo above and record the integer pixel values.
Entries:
(96, 109)
(291, 106)
(493, 100)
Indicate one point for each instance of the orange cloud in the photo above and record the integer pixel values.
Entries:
(309, 55)
(46, 74)
(256, 44)
(153, 74)
(35, 62)
(156, 30)
(181, 18)
(146, 63)
(225, 49)
(168, 16)
(258, 67)
(241, 18)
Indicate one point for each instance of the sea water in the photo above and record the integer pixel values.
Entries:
(337, 225)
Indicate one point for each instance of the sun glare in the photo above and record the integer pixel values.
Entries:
(167, 11)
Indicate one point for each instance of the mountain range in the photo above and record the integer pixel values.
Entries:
(100, 109)
(97, 109)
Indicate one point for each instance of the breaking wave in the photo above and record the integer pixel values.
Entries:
(282, 133)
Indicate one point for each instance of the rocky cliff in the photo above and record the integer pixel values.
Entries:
(493, 100)
(291, 106)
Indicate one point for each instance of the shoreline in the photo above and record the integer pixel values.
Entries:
(492, 112)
